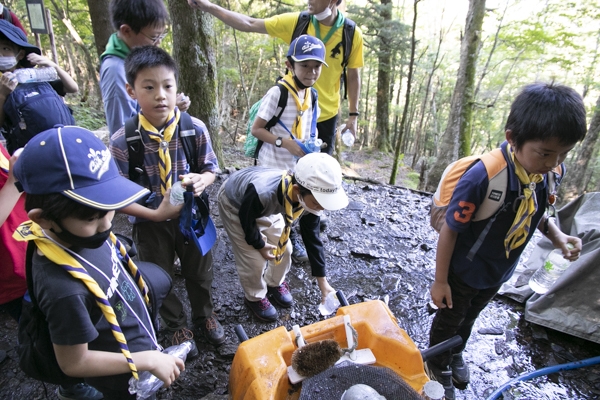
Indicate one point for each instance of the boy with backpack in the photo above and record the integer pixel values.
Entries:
(27, 109)
(137, 23)
(344, 52)
(164, 140)
(544, 124)
(281, 127)
(94, 309)
(258, 206)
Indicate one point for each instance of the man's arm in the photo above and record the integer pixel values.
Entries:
(235, 20)
(353, 76)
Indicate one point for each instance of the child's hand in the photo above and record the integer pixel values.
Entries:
(441, 294)
(325, 288)
(164, 366)
(166, 210)
(196, 180)
(11, 163)
(42, 61)
(8, 83)
(571, 248)
(293, 147)
(183, 102)
(267, 251)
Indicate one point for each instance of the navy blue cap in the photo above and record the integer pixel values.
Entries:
(72, 161)
(306, 47)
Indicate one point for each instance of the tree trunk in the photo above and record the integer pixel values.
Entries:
(457, 131)
(575, 184)
(101, 24)
(383, 81)
(193, 49)
(398, 144)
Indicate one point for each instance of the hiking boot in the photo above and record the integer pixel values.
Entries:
(281, 295)
(79, 391)
(263, 309)
(460, 370)
(298, 251)
(443, 376)
(212, 330)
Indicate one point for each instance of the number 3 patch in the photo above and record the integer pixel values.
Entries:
(465, 215)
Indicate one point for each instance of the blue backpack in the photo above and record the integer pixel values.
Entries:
(31, 109)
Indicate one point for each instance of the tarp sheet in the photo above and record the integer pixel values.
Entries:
(572, 305)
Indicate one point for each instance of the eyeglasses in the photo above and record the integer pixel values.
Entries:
(156, 39)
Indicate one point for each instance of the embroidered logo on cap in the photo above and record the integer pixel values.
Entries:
(309, 47)
(100, 161)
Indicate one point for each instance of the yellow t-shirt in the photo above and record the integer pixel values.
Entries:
(328, 85)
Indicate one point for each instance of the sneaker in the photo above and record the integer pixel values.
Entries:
(263, 309)
(460, 370)
(212, 330)
(443, 376)
(79, 391)
(281, 295)
(298, 251)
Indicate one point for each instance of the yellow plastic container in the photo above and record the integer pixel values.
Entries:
(259, 368)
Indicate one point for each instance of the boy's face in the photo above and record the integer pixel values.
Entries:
(541, 156)
(307, 72)
(155, 89)
(148, 35)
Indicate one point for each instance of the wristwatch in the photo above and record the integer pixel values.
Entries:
(278, 142)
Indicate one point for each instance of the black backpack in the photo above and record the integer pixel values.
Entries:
(6, 15)
(35, 349)
(347, 38)
(30, 109)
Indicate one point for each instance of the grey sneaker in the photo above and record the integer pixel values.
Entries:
(79, 391)
(460, 370)
(443, 376)
(299, 252)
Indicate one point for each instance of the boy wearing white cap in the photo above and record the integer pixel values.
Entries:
(258, 205)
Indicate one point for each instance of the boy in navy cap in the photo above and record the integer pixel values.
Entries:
(305, 58)
(73, 188)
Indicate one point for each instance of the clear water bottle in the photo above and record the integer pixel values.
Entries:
(313, 144)
(177, 190)
(44, 74)
(347, 136)
(542, 280)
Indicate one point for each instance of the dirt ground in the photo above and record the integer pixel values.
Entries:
(379, 247)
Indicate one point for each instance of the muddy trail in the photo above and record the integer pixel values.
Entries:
(380, 247)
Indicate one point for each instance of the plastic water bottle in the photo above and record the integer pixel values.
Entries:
(45, 74)
(347, 136)
(542, 280)
(177, 190)
(331, 304)
(148, 384)
(313, 144)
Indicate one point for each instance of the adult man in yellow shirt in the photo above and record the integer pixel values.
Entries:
(326, 24)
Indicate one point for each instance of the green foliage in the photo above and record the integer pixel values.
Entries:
(88, 117)
(411, 180)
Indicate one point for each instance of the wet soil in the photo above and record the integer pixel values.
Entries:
(380, 247)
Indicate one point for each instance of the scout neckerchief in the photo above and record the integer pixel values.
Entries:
(163, 137)
(339, 21)
(291, 214)
(518, 232)
(29, 230)
(288, 82)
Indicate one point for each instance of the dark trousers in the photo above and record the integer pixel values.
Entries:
(13, 308)
(327, 133)
(158, 242)
(467, 303)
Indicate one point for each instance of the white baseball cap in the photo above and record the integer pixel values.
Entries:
(322, 175)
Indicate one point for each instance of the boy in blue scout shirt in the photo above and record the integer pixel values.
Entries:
(152, 81)
(73, 189)
(544, 124)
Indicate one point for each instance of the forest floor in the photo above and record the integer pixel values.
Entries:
(380, 247)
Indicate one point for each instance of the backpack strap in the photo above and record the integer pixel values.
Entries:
(283, 98)
(347, 39)
(187, 133)
(301, 25)
(135, 147)
(6, 15)
(31, 247)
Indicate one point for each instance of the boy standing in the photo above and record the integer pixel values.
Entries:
(305, 58)
(73, 187)
(152, 82)
(544, 124)
(138, 23)
(258, 205)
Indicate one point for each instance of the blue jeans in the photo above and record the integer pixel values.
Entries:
(467, 303)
